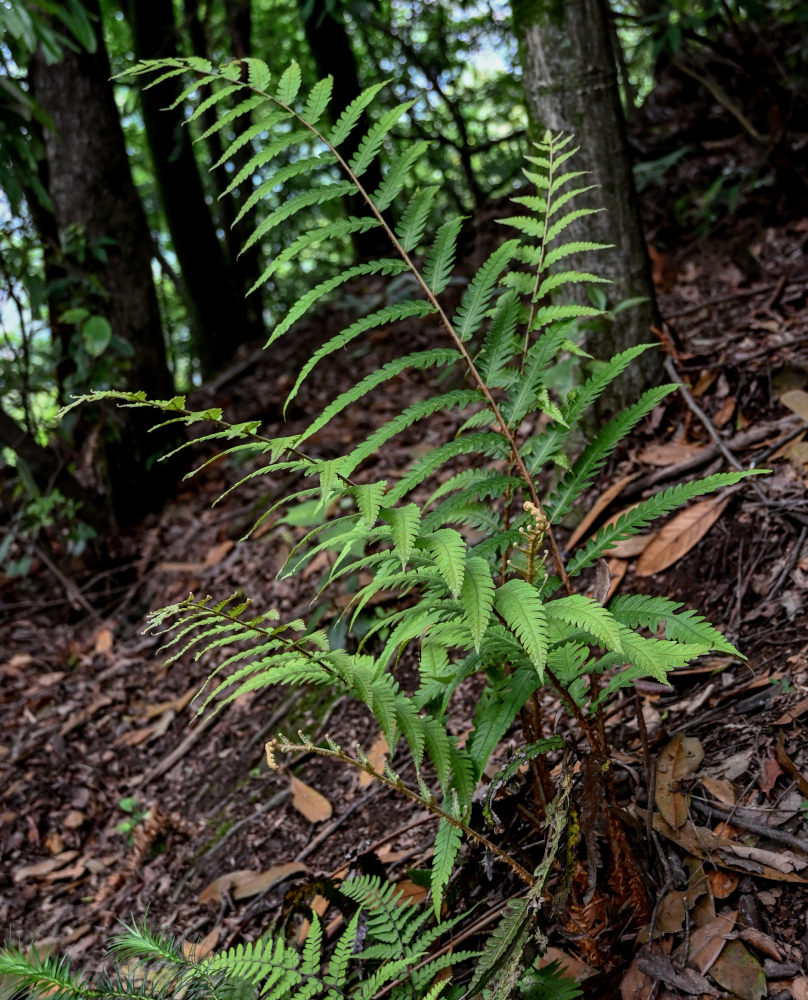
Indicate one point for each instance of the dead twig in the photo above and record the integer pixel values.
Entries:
(737, 816)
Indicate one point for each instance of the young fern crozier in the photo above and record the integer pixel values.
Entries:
(464, 533)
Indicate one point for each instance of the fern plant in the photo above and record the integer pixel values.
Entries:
(385, 942)
(505, 605)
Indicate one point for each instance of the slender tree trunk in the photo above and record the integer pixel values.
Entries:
(333, 56)
(571, 86)
(219, 319)
(93, 195)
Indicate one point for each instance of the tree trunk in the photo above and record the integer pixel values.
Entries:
(93, 195)
(571, 86)
(333, 56)
(219, 319)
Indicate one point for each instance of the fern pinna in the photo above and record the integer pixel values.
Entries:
(504, 605)
(384, 944)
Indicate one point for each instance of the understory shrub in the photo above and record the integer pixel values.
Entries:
(465, 540)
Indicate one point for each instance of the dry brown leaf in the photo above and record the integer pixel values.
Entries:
(598, 508)
(376, 757)
(707, 942)
(701, 842)
(762, 943)
(224, 883)
(679, 535)
(103, 641)
(571, 966)
(723, 883)
(770, 771)
(793, 713)
(631, 547)
(725, 411)
(197, 950)
(308, 801)
(662, 455)
(409, 890)
(43, 868)
(74, 819)
(635, 984)
(54, 842)
(617, 570)
(679, 758)
(261, 881)
(797, 401)
(134, 737)
(215, 554)
(739, 972)
(799, 988)
(720, 789)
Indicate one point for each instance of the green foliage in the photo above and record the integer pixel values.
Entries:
(383, 944)
(486, 589)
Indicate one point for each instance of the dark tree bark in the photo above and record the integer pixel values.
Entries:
(246, 264)
(92, 192)
(571, 86)
(219, 320)
(333, 56)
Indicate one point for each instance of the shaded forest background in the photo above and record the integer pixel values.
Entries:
(122, 262)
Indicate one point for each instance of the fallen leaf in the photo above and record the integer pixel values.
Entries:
(799, 988)
(701, 842)
(54, 842)
(720, 789)
(793, 713)
(660, 968)
(134, 737)
(679, 536)
(308, 801)
(725, 411)
(43, 868)
(74, 819)
(197, 950)
(679, 758)
(617, 570)
(739, 972)
(635, 984)
(797, 401)
(376, 757)
(769, 773)
(265, 880)
(628, 548)
(571, 966)
(224, 883)
(762, 943)
(103, 641)
(218, 552)
(662, 455)
(707, 942)
(723, 883)
(408, 890)
(601, 504)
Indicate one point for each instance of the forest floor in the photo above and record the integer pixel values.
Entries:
(112, 801)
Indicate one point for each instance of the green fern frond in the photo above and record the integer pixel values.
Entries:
(410, 229)
(639, 517)
(477, 297)
(441, 256)
(498, 706)
(644, 611)
(597, 451)
(522, 610)
(404, 523)
(584, 613)
(447, 846)
(477, 596)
